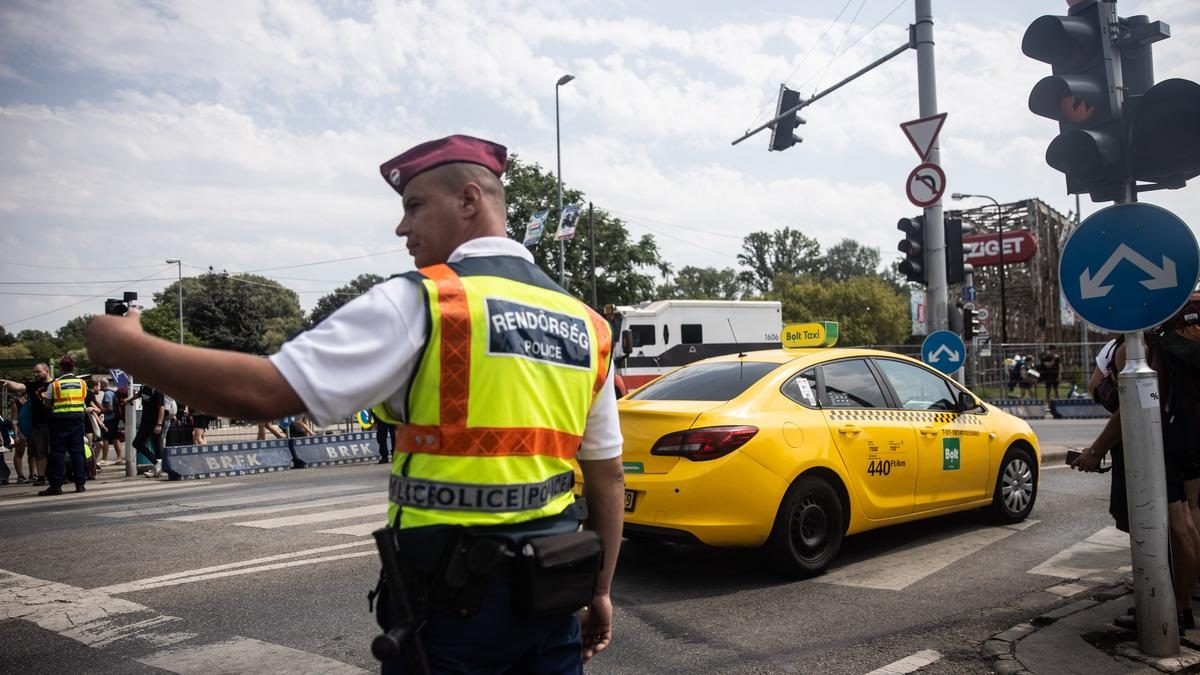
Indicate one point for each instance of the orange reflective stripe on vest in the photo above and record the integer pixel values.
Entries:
(604, 348)
(486, 442)
(456, 344)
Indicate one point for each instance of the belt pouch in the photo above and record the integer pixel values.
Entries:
(557, 574)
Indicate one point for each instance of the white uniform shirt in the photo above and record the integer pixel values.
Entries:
(368, 350)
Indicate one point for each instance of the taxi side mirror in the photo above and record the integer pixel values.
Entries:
(966, 401)
(626, 341)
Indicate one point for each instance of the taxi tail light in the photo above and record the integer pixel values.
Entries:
(701, 445)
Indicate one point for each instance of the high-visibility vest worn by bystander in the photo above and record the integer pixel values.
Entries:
(497, 406)
(69, 393)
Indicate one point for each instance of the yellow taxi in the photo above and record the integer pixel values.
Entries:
(793, 449)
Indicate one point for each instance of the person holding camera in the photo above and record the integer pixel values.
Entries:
(497, 379)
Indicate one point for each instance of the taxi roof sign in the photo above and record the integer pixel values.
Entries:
(809, 335)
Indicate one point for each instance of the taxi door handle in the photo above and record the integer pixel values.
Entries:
(929, 431)
(848, 429)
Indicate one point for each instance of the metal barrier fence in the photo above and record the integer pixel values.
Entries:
(992, 375)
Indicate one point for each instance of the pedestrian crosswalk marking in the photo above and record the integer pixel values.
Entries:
(909, 664)
(899, 570)
(71, 499)
(175, 506)
(379, 509)
(360, 530)
(101, 621)
(1107, 549)
(278, 508)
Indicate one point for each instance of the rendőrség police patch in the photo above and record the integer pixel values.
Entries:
(536, 333)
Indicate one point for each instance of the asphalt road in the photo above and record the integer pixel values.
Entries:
(269, 573)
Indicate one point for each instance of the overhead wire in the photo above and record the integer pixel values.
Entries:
(838, 50)
(87, 299)
(767, 105)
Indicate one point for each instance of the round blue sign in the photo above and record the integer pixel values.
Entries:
(944, 351)
(1129, 267)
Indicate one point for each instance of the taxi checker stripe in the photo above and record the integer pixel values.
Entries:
(456, 344)
(604, 342)
(486, 441)
(438, 495)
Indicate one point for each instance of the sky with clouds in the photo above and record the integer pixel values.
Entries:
(246, 135)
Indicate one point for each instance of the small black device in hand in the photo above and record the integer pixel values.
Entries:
(120, 307)
(115, 307)
(1073, 455)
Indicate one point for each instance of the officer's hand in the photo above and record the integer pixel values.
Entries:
(108, 337)
(596, 626)
(1087, 462)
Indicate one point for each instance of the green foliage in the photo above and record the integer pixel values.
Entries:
(41, 345)
(702, 283)
(163, 321)
(7, 339)
(785, 251)
(623, 267)
(847, 259)
(869, 311)
(341, 295)
(70, 336)
(245, 312)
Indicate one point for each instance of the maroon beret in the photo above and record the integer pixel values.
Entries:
(400, 169)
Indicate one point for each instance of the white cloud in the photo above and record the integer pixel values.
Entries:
(248, 134)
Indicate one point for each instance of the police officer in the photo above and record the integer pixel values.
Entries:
(496, 377)
(67, 399)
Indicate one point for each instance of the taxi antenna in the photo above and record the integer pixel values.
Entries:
(741, 354)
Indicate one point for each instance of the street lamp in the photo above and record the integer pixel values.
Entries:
(1000, 237)
(179, 266)
(562, 247)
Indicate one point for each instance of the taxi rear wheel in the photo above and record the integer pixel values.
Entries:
(808, 528)
(1016, 486)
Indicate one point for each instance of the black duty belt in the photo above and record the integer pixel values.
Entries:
(446, 496)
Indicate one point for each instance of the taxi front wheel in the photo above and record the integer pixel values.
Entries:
(808, 529)
(1016, 486)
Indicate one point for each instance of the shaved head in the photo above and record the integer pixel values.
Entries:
(454, 177)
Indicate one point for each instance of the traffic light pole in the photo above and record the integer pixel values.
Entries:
(1141, 435)
(936, 309)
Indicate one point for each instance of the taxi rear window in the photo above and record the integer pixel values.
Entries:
(706, 382)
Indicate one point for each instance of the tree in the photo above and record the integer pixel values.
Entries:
(41, 344)
(847, 259)
(785, 251)
(341, 295)
(869, 311)
(163, 321)
(244, 312)
(70, 336)
(623, 267)
(702, 283)
(7, 339)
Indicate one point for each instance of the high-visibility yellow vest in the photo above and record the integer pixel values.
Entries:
(69, 395)
(497, 406)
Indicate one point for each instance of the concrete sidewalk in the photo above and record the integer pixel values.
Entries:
(1080, 638)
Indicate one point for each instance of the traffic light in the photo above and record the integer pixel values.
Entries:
(970, 324)
(782, 131)
(913, 248)
(1165, 133)
(1080, 97)
(954, 250)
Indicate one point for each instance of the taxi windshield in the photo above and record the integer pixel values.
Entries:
(706, 382)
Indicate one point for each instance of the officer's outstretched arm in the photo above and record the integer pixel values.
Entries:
(604, 489)
(216, 381)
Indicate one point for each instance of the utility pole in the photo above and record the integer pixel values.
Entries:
(937, 316)
(1085, 356)
(179, 266)
(592, 241)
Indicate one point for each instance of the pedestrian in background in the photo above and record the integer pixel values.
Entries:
(149, 432)
(1050, 367)
(110, 415)
(38, 445)
(66, 397)
(440, 351)
(383, 436)
(19, 406)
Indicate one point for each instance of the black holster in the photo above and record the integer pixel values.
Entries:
(402, 638)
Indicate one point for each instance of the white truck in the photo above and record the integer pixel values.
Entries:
(655, 337)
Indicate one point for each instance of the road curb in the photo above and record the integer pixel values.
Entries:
(1000, 650)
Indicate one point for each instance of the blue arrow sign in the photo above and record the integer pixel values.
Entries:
(1129, 267)
(944, 351)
